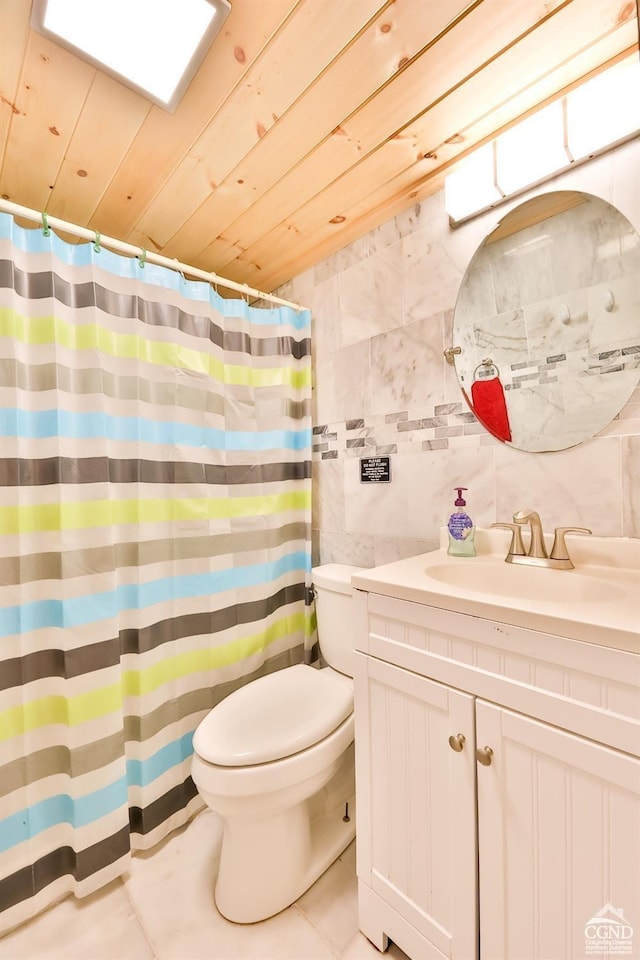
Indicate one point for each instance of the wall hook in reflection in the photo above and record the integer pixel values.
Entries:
(486, 369)
(609, 301)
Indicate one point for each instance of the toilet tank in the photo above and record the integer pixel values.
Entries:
(334, 613)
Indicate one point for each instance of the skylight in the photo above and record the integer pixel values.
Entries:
(154, 46)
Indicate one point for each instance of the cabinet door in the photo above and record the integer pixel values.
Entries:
(416, 822)
(559, 843)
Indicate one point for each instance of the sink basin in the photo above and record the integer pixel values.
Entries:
(499, 579)
(596, 602)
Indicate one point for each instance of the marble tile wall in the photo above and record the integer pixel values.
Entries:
(382, 316)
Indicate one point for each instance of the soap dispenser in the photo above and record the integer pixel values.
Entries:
(461, 529)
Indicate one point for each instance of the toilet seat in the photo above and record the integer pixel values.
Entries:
(274, 717)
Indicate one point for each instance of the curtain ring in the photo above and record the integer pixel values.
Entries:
(96, 243)
(179, 268)
(46, 229)
(142, 257)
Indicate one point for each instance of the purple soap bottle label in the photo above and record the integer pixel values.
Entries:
(459, 526)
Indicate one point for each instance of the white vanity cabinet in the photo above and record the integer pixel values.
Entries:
(498, 782)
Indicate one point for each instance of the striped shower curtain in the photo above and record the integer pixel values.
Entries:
(154, 544)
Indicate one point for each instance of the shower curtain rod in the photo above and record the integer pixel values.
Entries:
(7, 206)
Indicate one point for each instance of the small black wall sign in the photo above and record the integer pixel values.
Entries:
(375, 470)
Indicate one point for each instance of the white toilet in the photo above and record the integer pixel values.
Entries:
(275, 760)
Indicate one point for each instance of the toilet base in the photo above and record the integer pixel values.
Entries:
(268, 862)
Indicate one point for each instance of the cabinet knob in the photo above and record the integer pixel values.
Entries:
(484, 755)
(456, 742)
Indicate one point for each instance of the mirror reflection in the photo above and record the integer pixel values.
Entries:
(547, 320)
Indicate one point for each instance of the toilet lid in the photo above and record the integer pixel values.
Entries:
(274, 716)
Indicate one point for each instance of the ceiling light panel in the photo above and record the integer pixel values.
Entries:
(154, 46)
(604, 110)
(531, 150)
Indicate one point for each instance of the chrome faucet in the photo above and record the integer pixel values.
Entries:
(537, 554)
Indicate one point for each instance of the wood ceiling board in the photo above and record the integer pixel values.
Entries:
(278, 77)
(361, 219)
(510, 102)
(14, 31)
(164, 138)
(624, 30)
(394, 36)
(353, 230)
(330, 202)
(108, 124)
(349, 131)
(461, 107)
(372, 170)
(279, 202)
(52, 89)
(426, 81)
(485, 34)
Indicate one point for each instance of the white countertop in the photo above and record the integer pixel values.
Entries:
(608, 614)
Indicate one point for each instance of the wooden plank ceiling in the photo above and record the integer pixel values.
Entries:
(309, 123)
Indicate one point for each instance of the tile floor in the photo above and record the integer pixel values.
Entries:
(164, 909)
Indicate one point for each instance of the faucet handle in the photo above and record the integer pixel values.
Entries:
(517, 546)
(559, 549)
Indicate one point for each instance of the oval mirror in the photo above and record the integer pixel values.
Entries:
(547, 320)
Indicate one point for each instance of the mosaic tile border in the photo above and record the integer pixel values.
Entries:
(403, 432)
(565, 366)
(414, 431)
